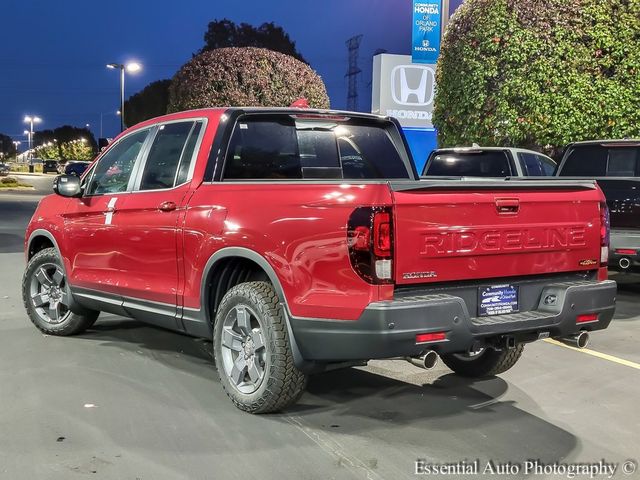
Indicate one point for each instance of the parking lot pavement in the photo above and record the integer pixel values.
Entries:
(128, 401)
(42, 183)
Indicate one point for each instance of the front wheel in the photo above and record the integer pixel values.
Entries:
(486, 362)
(47, 298)
(252, 350)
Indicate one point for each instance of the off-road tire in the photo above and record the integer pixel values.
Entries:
(283, 384)
(72, 323)
(489, 363)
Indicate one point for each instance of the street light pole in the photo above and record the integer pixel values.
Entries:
(129, 67)
(31, 119)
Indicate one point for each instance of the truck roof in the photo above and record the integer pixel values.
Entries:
(607, 142)
(289, 110)
(485, 149)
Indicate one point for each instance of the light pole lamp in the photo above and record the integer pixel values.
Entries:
(16, 144)
(31, 119)
(130, 67)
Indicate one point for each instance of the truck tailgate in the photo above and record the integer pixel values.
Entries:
(465, 230)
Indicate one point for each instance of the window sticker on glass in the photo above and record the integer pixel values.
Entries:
(243, 126)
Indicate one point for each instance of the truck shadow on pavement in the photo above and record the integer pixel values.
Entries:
(447, 418)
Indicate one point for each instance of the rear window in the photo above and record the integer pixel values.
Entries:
(600, 161)
(469, 164)
(284, 147)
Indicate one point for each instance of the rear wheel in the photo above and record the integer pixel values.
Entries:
(485, 362)
(47, 298)
(252, 350)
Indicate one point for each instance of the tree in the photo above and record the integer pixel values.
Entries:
(76, 150)
(245, 77)
(225, 33)
(7, 147)
(151, 102)
(65, 134)
(539, 73)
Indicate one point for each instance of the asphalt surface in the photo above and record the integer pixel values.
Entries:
(130, 401)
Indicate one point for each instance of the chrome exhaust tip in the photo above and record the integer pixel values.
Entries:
(579, 340)
(427, 360)
(624, 263)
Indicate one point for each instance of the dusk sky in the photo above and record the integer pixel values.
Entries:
(54, 53)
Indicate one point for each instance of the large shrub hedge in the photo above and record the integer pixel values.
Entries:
(539, 73)
(245, 77)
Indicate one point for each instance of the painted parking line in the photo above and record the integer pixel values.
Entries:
(604, 356)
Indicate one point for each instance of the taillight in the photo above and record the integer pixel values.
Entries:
(605, 226)
(370, 241)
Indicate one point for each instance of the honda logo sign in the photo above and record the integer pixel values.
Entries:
(412, 85)
(403, 90)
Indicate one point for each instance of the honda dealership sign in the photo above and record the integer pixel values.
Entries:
(427, 22)
(403, 90)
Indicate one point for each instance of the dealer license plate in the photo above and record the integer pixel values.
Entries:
(497, 300)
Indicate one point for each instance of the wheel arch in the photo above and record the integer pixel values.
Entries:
(207, 294)
(40, 239)
(218, 259)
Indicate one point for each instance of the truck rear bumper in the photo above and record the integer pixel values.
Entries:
(388, 329)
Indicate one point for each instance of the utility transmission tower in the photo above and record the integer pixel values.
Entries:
(353, 44)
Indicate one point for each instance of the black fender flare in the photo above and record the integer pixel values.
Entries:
(241, 252)
(41, 232)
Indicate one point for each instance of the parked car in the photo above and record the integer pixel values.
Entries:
(50, 166)
(615, 164)
(302, 240)
(4, 169)
(488, 162)
(74, 167)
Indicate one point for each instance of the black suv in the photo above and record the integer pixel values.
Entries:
(615, 164)
(50, 166)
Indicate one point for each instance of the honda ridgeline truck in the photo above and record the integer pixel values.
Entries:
(302, 240)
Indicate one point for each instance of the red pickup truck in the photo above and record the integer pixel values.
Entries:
(302, 240)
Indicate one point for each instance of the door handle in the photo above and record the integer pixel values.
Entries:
(506, 206)
(167, 206)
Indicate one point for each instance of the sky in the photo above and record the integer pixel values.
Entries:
(53, 53)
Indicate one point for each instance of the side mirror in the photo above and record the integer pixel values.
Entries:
(67, 186)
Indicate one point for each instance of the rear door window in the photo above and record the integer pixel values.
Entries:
(623, 162)
(482, 163)
(290, 147)
(535, 165)
(166, 153)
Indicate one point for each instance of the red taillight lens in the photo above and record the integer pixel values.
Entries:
(605, 226)
(587, 317)
(382, 234)
(361, 238)
(430, 337)
(626, 251)
(370, 242)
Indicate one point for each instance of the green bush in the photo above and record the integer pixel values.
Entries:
(245, 77)
(539, 73)
(8, 181)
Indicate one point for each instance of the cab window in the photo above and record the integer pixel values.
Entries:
(113, 170)
(165, 155)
